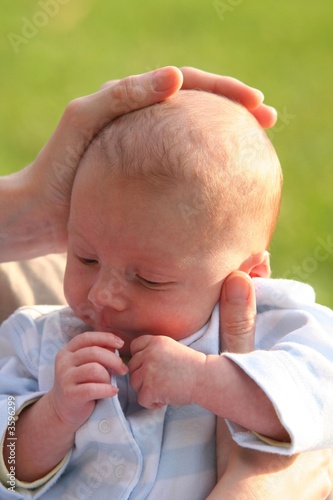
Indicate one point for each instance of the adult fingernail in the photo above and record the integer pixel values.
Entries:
(273, 110)
(164, 79)
(237, 289)
(259, 94)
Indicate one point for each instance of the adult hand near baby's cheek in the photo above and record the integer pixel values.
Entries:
(237, 313)
(237, 330)
(163, 371)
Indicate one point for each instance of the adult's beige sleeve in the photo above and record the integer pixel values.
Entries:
(30, 282)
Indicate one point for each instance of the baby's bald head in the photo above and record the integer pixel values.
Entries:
(213, 152)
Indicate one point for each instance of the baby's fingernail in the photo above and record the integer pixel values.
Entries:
(124, 370)
(237, 289)
(118, 342)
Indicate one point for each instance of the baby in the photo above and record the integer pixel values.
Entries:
(167, 202)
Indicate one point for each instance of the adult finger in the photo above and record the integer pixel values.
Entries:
(265, 115)
(228, 86)
(134, 92)
(237, 313)
(237, 326)
(232, 88)
(86, 116)
(109, 84)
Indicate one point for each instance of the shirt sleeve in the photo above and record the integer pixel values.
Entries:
(20, 343)
(7, 477)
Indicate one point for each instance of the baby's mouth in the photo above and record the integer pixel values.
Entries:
(104, 324)
(125, 334)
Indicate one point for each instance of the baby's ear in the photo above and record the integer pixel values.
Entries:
(257, 265)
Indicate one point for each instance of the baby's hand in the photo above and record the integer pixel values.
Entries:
(164, 372)
(82, 375)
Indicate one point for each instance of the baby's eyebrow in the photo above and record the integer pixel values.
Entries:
(72, 229)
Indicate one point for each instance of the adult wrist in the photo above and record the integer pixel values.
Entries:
(25, 231)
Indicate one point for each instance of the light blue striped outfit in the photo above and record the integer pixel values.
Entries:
(125, 451)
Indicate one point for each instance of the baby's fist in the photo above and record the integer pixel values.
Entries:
(163, 371)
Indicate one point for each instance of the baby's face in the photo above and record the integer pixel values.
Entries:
(135, 265)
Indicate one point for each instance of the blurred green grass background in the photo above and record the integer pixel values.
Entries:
(55, 50)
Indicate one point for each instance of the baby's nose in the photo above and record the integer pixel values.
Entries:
(109, 292)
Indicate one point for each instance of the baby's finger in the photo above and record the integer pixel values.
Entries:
(135, 363)
(140, 343)
(92, 391)
(89, 372)
(101, 356)
(136, 378)
(90, 339)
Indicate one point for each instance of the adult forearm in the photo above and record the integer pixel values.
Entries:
(42, 441)
(25, 231)
(226, 390)
(256, 475)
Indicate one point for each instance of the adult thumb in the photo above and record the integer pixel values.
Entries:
(237, 313)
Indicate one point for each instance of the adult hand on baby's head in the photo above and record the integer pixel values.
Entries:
(44, 187)
(249, 97)
(50, 177)
(232, 88)
(55, 167)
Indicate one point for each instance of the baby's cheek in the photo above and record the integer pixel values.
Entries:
(74, 294)
(183, 325)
